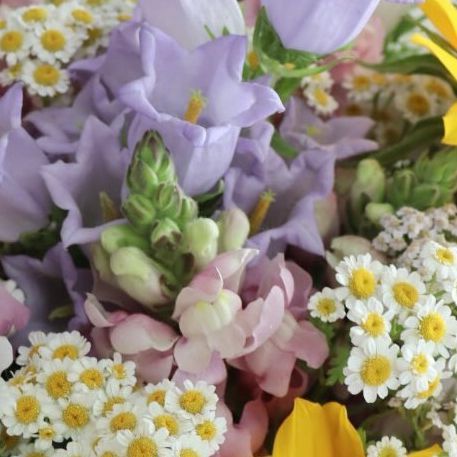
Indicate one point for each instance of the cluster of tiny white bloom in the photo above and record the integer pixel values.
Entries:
(317, 91)
(63, 403)
(403, 329)
(38, 42)
(391, 447)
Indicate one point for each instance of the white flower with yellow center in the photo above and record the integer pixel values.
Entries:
(361, 86)
(75, 414)
(322, 79)
(125, 416)
(11, 74)
(415, 104)
(174, 423)
(156, 393)
(74, 14)
(359, 277)
(121, 372)
(44, 79)
(113, 394)
(327, 305)
(145, 441)
(417, 365)
(88, 374)
(440, 260)
(211, 430)
(23, 411)
(48, 433)
(372, 369)
(32, 16)
(56, 42)
(433, 323)
(27, 353)
(191, 446)
(387, 447)
(373, 322)
(401, 290)
(15, 43)
(71, 345)
(54, 377)
(321, 100)
(195, 401)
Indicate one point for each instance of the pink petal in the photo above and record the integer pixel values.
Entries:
(275, 273)
(13, 313)
(138, 333)
(192, 355)
(303, 285)
(255, 420)
(98, 316)
(6, 353)
(153, 366)
(228, 341)
(101, 343)
(215, 373)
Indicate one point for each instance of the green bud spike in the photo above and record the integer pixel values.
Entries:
(140, 211)
(188, 211)
(165, 234)
(168, 200)
(142, 179)
(118, 236)
(201, 239)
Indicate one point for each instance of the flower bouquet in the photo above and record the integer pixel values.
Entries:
(228, 228)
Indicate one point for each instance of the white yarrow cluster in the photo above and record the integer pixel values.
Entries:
(63, 403)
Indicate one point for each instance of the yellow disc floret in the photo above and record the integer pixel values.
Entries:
(405, 294)
(11, 41)
(192, 401)
(57, 385)
(374, 325)
(362, 283)
(376, 370)
(28, 409)
(433, 327)
(142, 447)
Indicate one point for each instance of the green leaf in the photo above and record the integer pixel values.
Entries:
(62, 312)
(337, 363)
(282, 147)
(286, 87)
(363, 436)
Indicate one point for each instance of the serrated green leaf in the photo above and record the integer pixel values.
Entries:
(337, 364)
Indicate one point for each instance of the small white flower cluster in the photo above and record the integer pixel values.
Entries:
(38, 42)
(408, 229)
(317, 91)
(386, 446)
(63, 403)
(403, 329)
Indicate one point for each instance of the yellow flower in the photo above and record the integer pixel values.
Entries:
(443, 15)
(313, 430)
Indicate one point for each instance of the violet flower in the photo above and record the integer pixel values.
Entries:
(81, 187)
(280, 197)
(24, 200)
(320, 26)
(198, 103)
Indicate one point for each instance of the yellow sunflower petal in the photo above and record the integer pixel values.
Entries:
(430, 452)
(450, 126)
(447, 59)
(443, 15)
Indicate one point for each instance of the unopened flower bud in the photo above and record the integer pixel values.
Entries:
(375, 211)
(233, 229)
(141, 178)
(140, 211)
(118, 236)
(165, 233)
(201, 240)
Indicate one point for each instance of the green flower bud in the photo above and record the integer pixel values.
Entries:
(233, 229)
(140, 211)
(118, 236)
(100, 260)
(165, 234)
(142, 179)
(168, 200)
(375, 211)
(188, 211)
(201, 240)
(400, 187)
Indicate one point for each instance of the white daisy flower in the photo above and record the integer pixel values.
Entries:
(74, 14)
(10, 75)
(113, 394)
(156, 393)
(125, 416)
(391, 447)
(212, 432)
(191, 445)
(121, 372)
(15, 43)
(440, 260)
(359, 277)
(88, 374)
(414, 398)
(44, 79)
(71, 345)
(22, 377)
(433, 323)
(54, 378)
(417, 365)
(175, 424)
(361, 86)
(373, 322)
(323, 80)
(327, 305)
(372, 370)
(449, 286)
(415, 103)
(321, 100)
(401, 290)
(31, 16)
(75, 414)
(48, 433)
(27, 353)
(195, 401)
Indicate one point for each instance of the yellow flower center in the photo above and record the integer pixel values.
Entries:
(197, 104)
(142, 447)
(374, 325)
(57, 385)
(46, 433)
(432, 386)
(361, 83)
(66, 350)
(259, 214)
(53, 40)
(321, 97)
(206, 430)
(379, 79)
(11, 41)
(75, 416)
(444, 256)
(158, 396)
(253, 60)
(326, 306)
(123, 421)
(167, 421)
(388, 451)
(376, 370)
(92, 378)
(192, 401)
(83, 16)
(433, 327)
(110, 403)
(119, 371)
(18, 380)
(418, 104)
(35, 14)
(419, 364)
(362, 283)
(28, 409)
(188, 453)
(124, 17)
(405, 294)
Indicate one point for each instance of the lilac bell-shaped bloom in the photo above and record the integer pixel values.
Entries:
(24, 200)
(279, 197)
(197, 102)
(320, 26)
(90, 189)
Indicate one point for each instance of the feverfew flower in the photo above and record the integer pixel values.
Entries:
(175, 424)
(321, 100)
(361, 86)
(192, 445)
(75, 414)
(372, 369)
(88, 374)
(391, 447)
(54, 377)
(71, 345)
(113, 394)
(15, 43)
(27, 353)
(45, 79)
(327, 305)
(125, 416)
(414, 103)
(211, 431)
(440, 260)
(122, 372)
